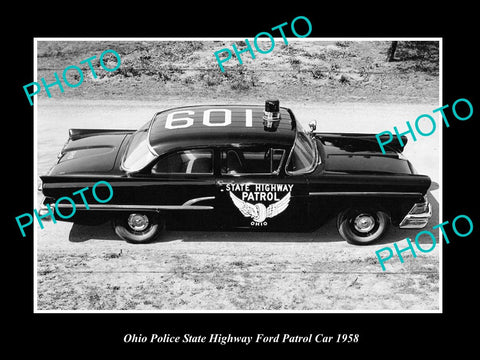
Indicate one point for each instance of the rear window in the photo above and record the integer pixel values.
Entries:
(138, 154)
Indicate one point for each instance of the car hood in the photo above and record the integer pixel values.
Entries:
(95, 153)
(361, 155)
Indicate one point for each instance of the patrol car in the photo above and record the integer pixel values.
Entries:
(239, 167)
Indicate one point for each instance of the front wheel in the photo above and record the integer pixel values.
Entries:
(362, 226)
(138, 228)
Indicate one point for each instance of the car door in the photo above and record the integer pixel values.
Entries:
(254, 192)
(180, 185)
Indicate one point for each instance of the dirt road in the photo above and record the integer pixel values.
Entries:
(89, 268)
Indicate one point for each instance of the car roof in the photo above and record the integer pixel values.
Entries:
(186, 133)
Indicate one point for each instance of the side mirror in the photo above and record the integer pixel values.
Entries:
(313, 125)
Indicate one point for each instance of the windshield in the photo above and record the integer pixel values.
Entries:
(138, 154)
(303, 155)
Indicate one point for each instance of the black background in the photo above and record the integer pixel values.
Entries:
(380, 334)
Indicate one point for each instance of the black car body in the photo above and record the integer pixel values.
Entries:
(239, 167)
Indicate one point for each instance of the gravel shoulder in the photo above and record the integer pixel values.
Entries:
(347, 86)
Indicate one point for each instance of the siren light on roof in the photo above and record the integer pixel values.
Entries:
(271, 115)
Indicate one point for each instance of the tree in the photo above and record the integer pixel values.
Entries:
(391, 51)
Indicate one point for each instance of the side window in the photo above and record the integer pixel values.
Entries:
(198, 161)
(251, 160)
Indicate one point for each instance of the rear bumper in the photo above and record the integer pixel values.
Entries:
(44, 211)
(46, 208)
(416, 221)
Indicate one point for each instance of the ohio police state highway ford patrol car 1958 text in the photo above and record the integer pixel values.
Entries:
(239, 167)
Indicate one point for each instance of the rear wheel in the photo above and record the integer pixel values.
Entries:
(138, 228)
(362, 226)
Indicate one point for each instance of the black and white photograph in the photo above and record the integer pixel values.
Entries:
(258, 186)
(240, 179)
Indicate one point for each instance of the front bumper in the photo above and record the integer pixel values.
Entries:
(415, 219)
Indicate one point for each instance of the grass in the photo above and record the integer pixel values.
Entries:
(301, 70)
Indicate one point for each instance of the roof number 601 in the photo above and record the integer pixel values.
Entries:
(184, 122)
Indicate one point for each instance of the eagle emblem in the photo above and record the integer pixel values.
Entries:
(259, 212)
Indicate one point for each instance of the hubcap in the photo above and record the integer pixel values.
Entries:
(364, 223)
(138, 222)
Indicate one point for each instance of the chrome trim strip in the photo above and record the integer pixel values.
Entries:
(136, 207)
(195, 200)
(364, 193)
